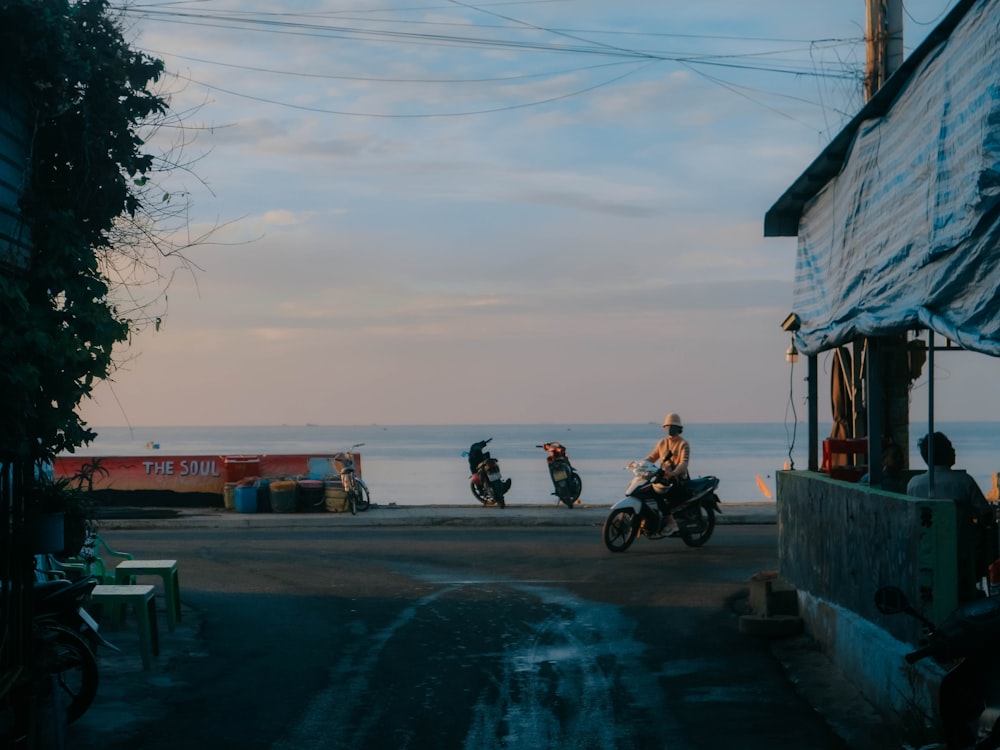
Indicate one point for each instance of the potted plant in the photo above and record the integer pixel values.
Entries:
(62, 515)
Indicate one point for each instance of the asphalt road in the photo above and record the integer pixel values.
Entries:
(452, 637)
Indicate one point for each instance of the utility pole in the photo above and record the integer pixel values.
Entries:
(886, 370)
(884, 36)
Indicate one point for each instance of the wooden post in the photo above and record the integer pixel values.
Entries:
(891, 418)
(884, 35)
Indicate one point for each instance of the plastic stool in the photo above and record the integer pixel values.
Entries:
(143, 601)
(127, 570)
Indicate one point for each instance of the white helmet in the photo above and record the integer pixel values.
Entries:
(672, 419)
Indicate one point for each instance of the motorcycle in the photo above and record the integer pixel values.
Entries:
(65, 638)
(565, 480)
(486, 482)
(355, 489)
(692, 503)
(968, 642)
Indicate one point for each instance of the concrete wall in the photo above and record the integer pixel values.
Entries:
(837, 543)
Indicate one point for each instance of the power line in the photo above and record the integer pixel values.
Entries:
(724, 61)
(269, 25)
(227, 21)
(467, 113)
(287, 23)
(933, 21)
(379, 79)
(365, 15)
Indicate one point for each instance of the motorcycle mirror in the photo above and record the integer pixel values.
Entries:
(890, 600)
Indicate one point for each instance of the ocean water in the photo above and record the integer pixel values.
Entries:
(423, 464)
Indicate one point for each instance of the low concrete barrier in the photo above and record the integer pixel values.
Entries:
(837, 543)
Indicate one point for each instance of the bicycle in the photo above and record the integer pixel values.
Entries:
(355, 489)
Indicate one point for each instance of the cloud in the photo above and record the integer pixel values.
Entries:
(397, 261)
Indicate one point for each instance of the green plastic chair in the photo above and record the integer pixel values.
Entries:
(47, 568)
(92, 559)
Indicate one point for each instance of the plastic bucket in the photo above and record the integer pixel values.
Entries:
(264, 496)
(335, 497)
(311, 495)
(246, 498)
(229, 496)
(283, 496)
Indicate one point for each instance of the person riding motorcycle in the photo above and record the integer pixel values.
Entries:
(673, 454)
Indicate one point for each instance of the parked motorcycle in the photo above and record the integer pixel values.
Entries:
(565, 480)
(969, 642)
(486, 482)
(61, 670)
(355, 489)
(692, 503)
(66, 639)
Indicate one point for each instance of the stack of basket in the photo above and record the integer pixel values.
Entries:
(336, 497)
(284, 496)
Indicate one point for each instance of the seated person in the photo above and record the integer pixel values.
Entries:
(892, 470)
(977, 533)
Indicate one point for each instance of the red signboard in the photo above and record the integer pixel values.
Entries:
(195, 473)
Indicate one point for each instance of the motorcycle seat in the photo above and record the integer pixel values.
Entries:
(700, 484)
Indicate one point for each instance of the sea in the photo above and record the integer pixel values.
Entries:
(424, 464)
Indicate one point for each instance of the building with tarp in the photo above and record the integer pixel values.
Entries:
(898, 227)
(897, 219)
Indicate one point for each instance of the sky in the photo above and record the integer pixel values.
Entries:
(437, 212)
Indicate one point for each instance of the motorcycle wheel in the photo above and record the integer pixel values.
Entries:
(620, 530)
(497, 490)
(574, 490)
(695, 524)
(364, 499)
(480, 493)
(67, 657)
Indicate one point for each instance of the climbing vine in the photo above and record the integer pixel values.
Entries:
(87, 95)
